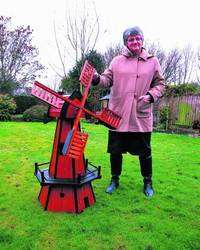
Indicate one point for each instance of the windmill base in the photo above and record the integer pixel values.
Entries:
(71, 199)
(66, 195)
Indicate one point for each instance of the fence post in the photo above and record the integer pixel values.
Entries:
(170, 113)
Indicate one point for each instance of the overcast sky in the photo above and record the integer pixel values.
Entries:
(171, 22)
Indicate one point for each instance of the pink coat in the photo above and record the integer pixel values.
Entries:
(130, 78)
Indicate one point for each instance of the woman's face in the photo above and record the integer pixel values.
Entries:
(134, 43)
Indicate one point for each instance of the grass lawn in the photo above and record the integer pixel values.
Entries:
(124, 220)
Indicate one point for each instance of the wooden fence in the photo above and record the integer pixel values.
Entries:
(183, 111)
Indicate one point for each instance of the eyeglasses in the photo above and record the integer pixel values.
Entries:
(132, 39)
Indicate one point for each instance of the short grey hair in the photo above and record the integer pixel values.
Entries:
(132, 31)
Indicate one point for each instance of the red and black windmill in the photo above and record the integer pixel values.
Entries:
(66, 183)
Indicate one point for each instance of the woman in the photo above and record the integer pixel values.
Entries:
(136, 82)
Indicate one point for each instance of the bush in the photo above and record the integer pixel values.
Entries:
(17, 118)
(182, 89)
(35, 113)
(24, 102)
(7, 107)
(163, 113)
(196, 124)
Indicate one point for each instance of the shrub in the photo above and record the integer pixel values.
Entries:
(24, 102)
(164, 111)
(196, 124)
(35, 113)
(182, 89)
(17, 118)
(7, 107)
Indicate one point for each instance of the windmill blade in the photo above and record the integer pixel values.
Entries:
(86, 74)
(109, 118)
(106, 117)
(75, 144)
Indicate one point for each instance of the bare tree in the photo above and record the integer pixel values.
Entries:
(171, 66)
(82, 31)
(55, 84)
(178, 65)
(187, 65)
(198, 65)
(169, 61)
(154, 48)
(18, 63)
(111, 52)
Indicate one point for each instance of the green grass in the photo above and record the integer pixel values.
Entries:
(124, 220)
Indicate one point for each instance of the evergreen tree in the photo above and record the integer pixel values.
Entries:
(71, 82)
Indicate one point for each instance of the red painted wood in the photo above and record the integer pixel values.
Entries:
(53, 162)
(87, 73)
(43, 195)
(63, 199)
(85, 192)
(61, 165)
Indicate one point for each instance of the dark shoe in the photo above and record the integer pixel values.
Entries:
(148, 190)
(112, 187)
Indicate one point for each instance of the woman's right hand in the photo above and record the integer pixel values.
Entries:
(96, 79)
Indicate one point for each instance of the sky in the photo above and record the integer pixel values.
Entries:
(172, 23)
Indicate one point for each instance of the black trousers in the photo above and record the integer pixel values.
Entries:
(134, 143)
(116, 166)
